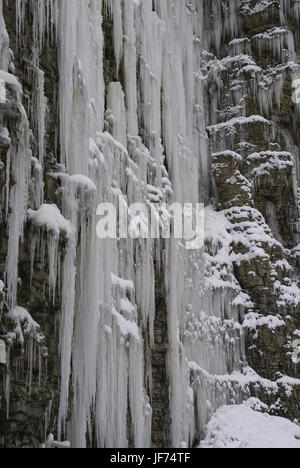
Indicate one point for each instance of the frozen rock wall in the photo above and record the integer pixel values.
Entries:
(136, 343)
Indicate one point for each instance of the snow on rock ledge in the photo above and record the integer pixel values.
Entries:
(50, 218)
(241, 427)
(78, 180)
(24, 326)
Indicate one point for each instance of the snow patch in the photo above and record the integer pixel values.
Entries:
(50, 218)
(241, 427)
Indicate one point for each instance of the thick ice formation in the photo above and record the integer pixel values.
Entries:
(133, 129)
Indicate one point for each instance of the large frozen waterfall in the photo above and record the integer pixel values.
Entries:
(137, 342)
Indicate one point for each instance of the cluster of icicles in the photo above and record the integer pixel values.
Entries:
(107, 287)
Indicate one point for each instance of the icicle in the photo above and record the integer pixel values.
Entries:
(45, 19)
(240, 46)
(144, 147)
(27, 335)
(130, 66)
(4, 43)
(275, 41)
(115, 103)
(289, 10)
(66, 332)
(115, 10)
(221, 21)
(36, 187)
(39, 112)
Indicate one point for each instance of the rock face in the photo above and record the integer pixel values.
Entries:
(137, 342)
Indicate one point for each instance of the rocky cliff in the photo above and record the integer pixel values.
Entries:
(137, 342)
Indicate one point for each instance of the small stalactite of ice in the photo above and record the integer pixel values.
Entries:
(39, 111)
(36, 186)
